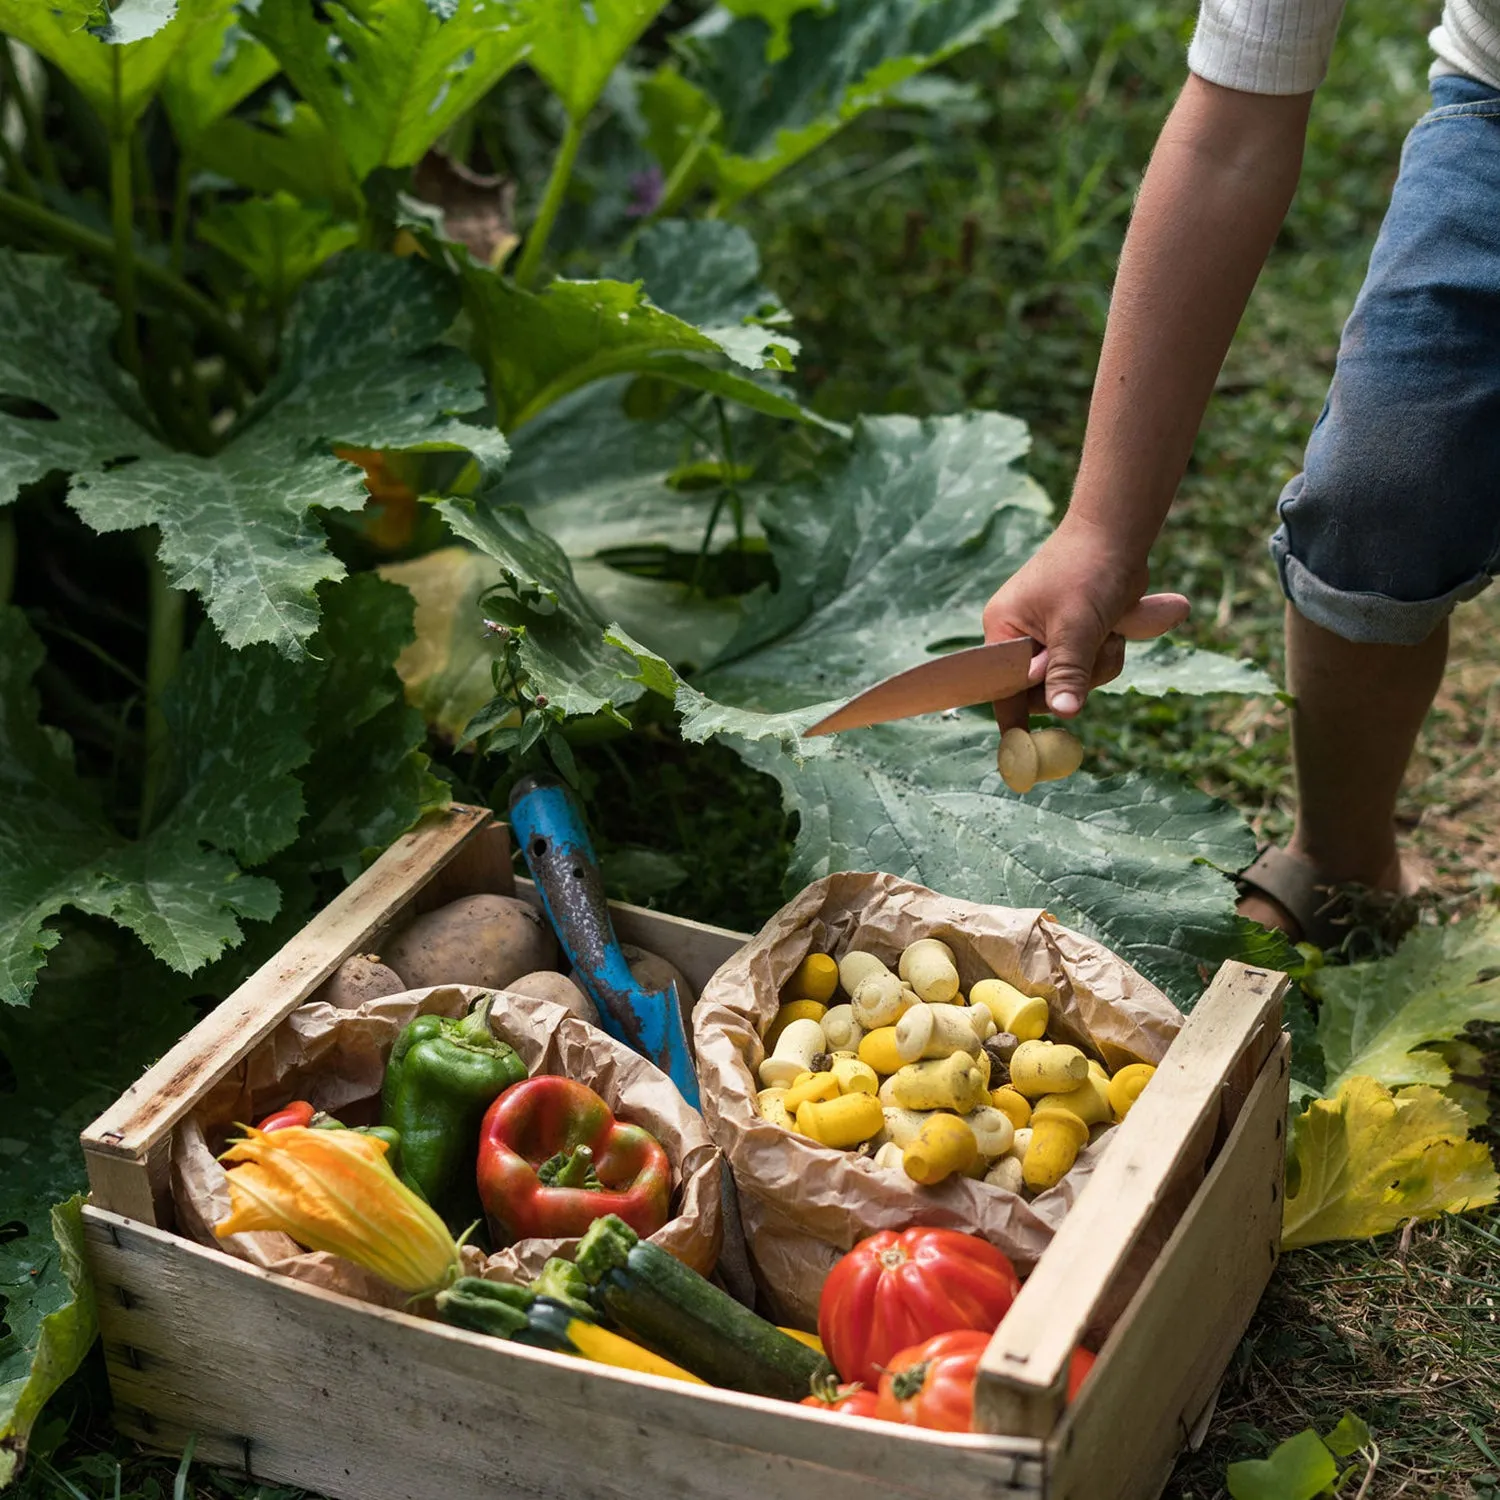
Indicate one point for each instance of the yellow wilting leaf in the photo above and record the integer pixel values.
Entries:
(446, 669)
(1366, 1161)
(334, 1190)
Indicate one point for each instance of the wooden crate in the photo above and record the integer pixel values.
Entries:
(290, 1383)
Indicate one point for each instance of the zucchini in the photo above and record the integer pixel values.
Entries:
(493, 1307)
(515, 1312)
(672, 1309)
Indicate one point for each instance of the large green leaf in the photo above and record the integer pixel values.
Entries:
(577, 44)
(603, 485)
(597, 480)
(286, 148)
(1376, 1018)
(243, 783)
(707, 273)
(180, 889)
(891, 552)
(218, 65)
(363, 365)
(48, 1301)
(84, 1041)
(388, 77)
(278, 240)
(367, 780)
(539, 347)
(119, 67)
(750, 107)
(561, 639)
(55, 354)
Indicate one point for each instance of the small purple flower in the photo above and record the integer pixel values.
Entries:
(645, 192)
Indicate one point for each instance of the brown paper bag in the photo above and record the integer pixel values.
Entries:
(803, 1204)
(335, 1059)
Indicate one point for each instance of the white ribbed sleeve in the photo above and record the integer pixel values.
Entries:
(1468, 41)
(1265, 46)
(1283, 46)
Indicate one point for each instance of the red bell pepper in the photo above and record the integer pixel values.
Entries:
(553, 1158)
(298, 1112)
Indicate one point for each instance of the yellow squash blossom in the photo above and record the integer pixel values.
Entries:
(334, 1190)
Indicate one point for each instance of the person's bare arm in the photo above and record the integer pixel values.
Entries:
(1217, 189)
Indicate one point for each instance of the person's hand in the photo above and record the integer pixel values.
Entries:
(1081, 597)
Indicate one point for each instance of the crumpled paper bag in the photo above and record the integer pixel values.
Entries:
(803, 1204)
(336, 1060)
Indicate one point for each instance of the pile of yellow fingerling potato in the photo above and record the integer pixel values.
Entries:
(909, 1071)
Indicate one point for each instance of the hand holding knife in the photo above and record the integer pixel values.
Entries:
(1007, 673)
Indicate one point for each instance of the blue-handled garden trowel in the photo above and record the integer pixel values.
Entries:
(555, 843)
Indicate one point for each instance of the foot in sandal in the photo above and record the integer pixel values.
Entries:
(1283, 891)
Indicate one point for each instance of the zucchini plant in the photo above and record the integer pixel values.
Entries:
(331, 325)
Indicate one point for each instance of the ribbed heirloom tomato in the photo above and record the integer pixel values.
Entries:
(895, 1290)
(932, 1385)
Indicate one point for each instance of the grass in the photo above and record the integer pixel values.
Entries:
(1404, 1331)
(935, 262)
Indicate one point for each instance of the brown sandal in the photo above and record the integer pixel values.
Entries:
(1294, 885)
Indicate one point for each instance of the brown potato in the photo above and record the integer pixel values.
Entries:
(483, 940)
(361, 977)
(547, 984)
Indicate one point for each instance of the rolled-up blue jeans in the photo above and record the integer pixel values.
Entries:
(1395, 517)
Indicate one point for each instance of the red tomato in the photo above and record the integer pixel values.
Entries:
(932, 1385)
(847, 1400)
(894, 1290)
(298, 1112)
(1078, 1369)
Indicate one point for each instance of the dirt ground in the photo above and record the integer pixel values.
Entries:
(1451, 801)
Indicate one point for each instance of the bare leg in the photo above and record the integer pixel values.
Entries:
(1358, 711)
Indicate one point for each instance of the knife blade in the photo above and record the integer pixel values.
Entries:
(980, 674)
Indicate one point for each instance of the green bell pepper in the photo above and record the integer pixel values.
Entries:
(442, 1076)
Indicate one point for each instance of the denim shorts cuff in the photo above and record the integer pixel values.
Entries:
(1365, 618)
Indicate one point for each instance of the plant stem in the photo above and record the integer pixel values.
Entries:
(60, 230)
(552, 198)
(7, 553)
(35, 135)
(163, 654)
(180, 210)
(675, 188)
(122, 220)
(736, 500)
(15, 168)
(145, 186)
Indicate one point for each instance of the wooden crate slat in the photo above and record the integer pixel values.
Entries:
(1021, 1379)
(311, 1388)
(481, 865)
(1186, 1318)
